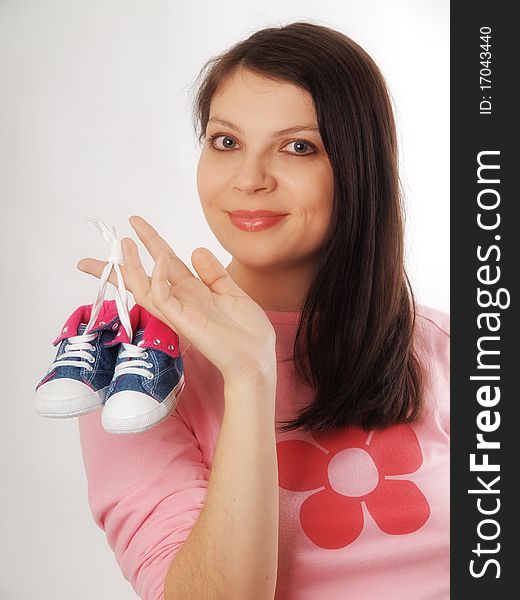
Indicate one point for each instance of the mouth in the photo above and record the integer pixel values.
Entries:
(257, 220)
(254, 214)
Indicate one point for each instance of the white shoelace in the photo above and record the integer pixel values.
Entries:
(132, 366)
(79, 346)
(115, 259)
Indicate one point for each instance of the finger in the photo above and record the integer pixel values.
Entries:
(161, 295)
(213, 273)
(135, 272)
(156, 245)
(95, 267)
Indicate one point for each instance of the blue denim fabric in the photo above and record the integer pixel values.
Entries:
(103, 363)
(165, 369)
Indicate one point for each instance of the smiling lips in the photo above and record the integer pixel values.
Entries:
(255, 220)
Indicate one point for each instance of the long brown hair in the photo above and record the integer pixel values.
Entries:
(359, 357)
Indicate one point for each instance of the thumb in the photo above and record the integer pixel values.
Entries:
(213, 274)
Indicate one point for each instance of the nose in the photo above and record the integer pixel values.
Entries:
(253, 175)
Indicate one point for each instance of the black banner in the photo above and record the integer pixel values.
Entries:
(484, 299)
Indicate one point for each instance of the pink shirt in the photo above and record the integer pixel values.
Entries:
(362, 516)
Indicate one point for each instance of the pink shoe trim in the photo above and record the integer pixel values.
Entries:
(157, 335)
(107, 314)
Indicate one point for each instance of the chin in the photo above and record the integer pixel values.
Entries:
(262, 257)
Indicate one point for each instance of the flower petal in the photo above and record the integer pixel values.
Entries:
(336, 440)
(398, 506)
(396, 450)
(330, 520)
(301, 466)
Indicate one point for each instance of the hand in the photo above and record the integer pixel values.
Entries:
(219, 319)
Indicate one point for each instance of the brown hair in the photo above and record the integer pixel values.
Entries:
(359, 357)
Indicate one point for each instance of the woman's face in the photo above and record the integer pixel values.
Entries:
(250, 165)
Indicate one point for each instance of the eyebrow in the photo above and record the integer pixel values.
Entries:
(293, 129)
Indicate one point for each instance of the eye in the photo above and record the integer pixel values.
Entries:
(300, 143)
(228, 141)
(212, 138)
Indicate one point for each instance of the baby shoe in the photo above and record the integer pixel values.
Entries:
(148, 376)
(78, 379)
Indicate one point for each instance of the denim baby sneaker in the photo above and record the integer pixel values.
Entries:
(148, 377)
(78, 379)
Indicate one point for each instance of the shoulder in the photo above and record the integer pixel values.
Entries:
(433, 317)
(433, 334)
(204, 382)
(432, 330)
(185, 347)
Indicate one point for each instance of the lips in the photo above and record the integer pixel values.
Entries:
(254, 214)
(255, 220)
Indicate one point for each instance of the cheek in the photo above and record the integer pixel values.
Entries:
(316, 224)
(310, 222)
(204, 179)
(210, 179)
(316, 192)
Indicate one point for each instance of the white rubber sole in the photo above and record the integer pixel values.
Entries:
(138, 423)
(65, 408)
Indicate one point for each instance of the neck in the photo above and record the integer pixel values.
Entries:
(273, 288)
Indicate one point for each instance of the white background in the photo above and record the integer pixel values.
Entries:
(95, 120)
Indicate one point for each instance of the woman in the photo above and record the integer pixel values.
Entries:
(312, 324)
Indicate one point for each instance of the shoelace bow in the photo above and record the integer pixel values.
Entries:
(79, 346)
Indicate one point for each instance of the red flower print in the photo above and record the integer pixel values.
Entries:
(355, 468)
